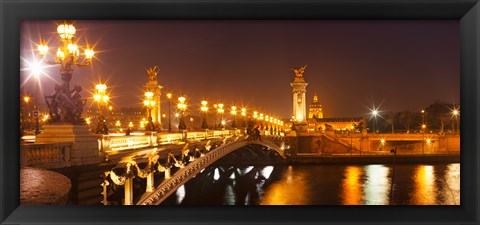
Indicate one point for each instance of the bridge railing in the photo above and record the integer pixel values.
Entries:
(48, 155)
(108, 143)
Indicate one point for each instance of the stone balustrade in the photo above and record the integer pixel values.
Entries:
(47, 155)
(108, 143)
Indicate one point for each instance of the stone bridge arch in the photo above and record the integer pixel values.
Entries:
(169, 186)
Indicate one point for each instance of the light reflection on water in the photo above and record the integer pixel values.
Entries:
(414, 184)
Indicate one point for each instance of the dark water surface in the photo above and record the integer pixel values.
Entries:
(313, 184)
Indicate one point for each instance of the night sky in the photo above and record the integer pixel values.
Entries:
(352, 65)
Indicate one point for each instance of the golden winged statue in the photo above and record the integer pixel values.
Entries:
(152, 73)
(299, 71)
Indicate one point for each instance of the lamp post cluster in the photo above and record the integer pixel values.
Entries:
(65, 104)
(268, 123)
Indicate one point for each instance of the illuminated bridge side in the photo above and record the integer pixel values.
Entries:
(169, 186)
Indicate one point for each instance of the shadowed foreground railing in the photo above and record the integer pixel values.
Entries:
(48, 155)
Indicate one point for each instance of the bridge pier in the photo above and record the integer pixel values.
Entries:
(128, 191)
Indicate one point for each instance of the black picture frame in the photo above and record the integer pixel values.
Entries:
(13, 12)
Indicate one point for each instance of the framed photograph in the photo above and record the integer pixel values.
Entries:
(239, 112)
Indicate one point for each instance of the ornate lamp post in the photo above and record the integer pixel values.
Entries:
(234, 114)
(67, 56)
(25, 112)
(244, 113)
(351, 139)
(182, 107)
(221, 111)
(204, 109)
(101, 98)
(169, 96)
(374, 114)
(149, 103)
(456, 114)
(424, 127)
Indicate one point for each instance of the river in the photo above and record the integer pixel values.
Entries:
(323, 184)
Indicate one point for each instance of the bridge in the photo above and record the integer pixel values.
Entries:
(178, 167)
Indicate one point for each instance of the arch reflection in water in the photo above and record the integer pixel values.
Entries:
(414, 184)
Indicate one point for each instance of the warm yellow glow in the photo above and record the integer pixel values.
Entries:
(424, 126)
(429, 141)
(352, 187)
(96, 97)
(105, 98)
(149, 94)
(89, 53)
(117, 123)
(181, 99)
(191, 119)
(382, 141)
(110, 108)
(220, 105)
(101, 87)
(455, 112)
(66, 31)
(169, 95)
(223, 122)
(424, 186)
(60, 54)
(130, 124)
(72, 48)
(42, 47)
(26, 99)
(177, 115)
(204, 103)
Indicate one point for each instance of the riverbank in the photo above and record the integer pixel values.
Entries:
(369, 159)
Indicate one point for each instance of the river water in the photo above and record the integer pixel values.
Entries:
(313, 184)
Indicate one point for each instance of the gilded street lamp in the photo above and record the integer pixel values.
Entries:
(204, 109)
(234, 114)
(243, 113)
(221, 111)
(67, 56)
(169, 96)
(149, 103)
(182, 106)
(101, 98)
